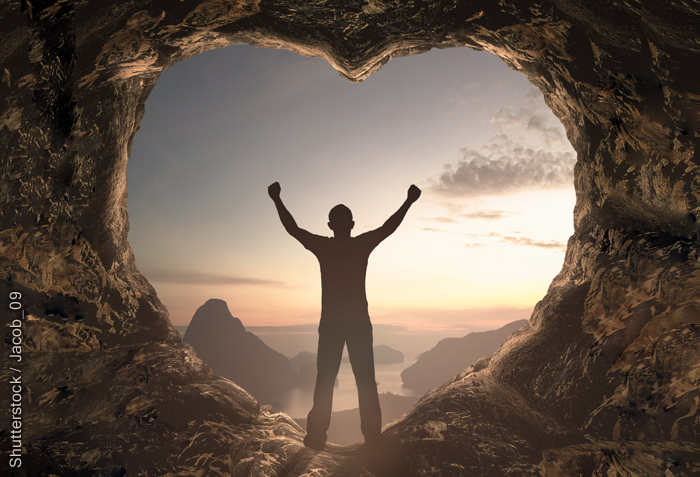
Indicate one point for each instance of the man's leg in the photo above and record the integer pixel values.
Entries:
(361, 354)
(330, 352)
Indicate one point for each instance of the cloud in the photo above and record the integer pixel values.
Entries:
(528, 242)
(533, 117)
(479, 215)
(183, 277)
(527, 150)
(488, 214)
(506, 170)
(554, 245)
(441, 220)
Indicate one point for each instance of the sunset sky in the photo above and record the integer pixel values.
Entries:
(479, 248)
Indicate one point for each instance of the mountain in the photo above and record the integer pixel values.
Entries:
(291, 340)
(383, 354)
(223, 342)
(302, 359)
(452, 355)
(305, 364)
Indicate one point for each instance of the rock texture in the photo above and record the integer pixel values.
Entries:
(451, 355)
(602, 381)
(234, 353)
(95, 411)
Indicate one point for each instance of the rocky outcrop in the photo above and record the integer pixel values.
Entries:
(605, 375)
(451, 355)
(107, 411)
(223, 343)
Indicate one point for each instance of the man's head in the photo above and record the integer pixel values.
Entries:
(340, 220)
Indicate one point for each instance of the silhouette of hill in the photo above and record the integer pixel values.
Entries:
(451, 355)
(222, 341)
(291, 340)
(305, 365)
(383, 354)
(302, 359)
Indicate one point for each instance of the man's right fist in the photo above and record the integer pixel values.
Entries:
(274, 190)
(413, 193)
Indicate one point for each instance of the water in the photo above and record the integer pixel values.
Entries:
(298, 403)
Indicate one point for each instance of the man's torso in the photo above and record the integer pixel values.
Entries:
(343, 263)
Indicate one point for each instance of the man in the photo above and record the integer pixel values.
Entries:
(344, 315)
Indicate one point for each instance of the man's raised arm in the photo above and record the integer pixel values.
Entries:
(290, 225)
(393, 222)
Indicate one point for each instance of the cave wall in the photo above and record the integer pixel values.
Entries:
(601, 352)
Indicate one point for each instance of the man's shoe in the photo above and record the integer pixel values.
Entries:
(315, 444)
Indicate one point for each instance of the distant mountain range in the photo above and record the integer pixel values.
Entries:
(304, 363)
(383, 354)
(222, 341)
(292, 339)
(451, 355)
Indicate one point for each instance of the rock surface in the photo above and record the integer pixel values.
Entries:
(234, 353)
(451, 355)
(603, 379)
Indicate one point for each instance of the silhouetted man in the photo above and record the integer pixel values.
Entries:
(344, 315)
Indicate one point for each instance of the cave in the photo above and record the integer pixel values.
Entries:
(602, 381)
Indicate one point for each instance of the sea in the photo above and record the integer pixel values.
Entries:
(299, 401)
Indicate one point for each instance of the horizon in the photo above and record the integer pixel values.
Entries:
(290, 340)
(312, 327)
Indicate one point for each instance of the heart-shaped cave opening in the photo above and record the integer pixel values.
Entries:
(475, 253)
